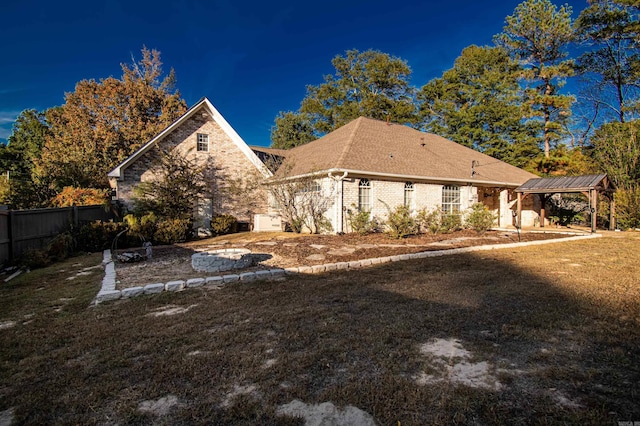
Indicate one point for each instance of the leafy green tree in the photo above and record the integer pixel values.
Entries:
(102, 123)
(479, 103)
(291, 129)
(537, 35)
(178, 185)
(612, 65)
(370, 83)
(617, 152)
(22, 188)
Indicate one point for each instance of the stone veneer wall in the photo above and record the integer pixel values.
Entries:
(225, 155)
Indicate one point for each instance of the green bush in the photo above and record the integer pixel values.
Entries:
(61, 247)
(450, 222)
(400, 223)
(224, 224)
(97, 236)
(169, 231)
(360, 221)
(141, 228)
(628, 208)
(34, 259)
(479, 218)
(429, 221)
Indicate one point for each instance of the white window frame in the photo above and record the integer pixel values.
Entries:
(202, 142)
(364, 195)
(409, 192)
(451, 199)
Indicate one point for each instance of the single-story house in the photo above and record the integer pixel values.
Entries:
(366, 164)
(374, 166)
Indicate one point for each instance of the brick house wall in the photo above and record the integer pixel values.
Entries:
(425, 196)
(229, 162)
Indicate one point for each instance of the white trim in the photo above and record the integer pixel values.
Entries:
(413, 178)
(217, 117)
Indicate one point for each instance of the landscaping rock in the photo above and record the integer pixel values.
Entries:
(278, 272)
(154, 288)
(175, 285)
(105, 296)
(215, 281)
(195, 282)
(230, 278)
(263, 275)
(132, 292)
(247, 276)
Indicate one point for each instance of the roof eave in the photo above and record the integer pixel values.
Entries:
(400, 177)
(222, 122)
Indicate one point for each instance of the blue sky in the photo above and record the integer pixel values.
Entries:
(252, 59)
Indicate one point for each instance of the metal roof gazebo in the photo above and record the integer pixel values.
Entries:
(589, 185)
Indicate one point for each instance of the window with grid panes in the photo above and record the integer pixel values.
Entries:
(203, 142)
(364, 195)
(408, 194)
(450, 199)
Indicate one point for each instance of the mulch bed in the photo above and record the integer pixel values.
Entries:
(174, 262)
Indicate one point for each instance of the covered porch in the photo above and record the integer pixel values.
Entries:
(592, 186)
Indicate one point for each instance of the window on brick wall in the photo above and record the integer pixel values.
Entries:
(364, 195)
(408, 194)
(203, 142)
(450, 199)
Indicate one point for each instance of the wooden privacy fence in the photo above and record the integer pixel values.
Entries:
(24, 230)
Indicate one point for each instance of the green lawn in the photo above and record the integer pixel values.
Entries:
(554, 328)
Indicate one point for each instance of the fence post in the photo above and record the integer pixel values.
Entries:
(10, 233)
(75, 219)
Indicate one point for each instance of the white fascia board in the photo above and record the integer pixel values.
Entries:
(235, 137)
(403, 177)
(218, 118)
(117, 172)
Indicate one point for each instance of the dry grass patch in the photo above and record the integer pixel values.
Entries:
(563, 342)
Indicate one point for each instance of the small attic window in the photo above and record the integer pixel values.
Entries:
(203, 142)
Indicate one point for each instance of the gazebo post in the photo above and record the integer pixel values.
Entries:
(594, 209)
(519, 208)
(543, 201)
(612, 214)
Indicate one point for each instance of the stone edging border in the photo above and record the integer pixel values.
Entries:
(108, 290)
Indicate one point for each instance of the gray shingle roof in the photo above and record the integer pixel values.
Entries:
(372, 146)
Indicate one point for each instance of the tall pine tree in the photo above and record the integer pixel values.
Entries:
(537, 35)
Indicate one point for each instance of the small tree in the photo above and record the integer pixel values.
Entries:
(302, 203)
(178, 185)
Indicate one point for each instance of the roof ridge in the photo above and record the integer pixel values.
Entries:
(349, 143)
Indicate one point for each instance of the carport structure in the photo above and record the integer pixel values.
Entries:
(589, 185)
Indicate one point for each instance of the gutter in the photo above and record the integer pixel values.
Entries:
(398, 177)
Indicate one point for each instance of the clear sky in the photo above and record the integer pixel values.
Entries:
(252, 59)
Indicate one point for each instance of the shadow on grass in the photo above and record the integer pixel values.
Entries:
(562, 352)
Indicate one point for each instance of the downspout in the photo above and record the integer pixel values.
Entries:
(338, 201)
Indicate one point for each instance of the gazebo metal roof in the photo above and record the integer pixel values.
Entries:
(590, 185)
(564, 184)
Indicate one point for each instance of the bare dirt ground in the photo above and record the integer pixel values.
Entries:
(282, 250)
